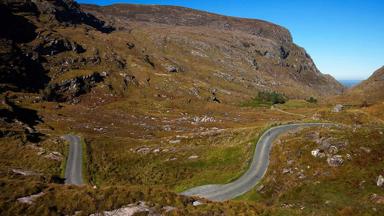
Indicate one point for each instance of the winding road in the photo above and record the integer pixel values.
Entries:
(73, 169)
(259, 165)
(214, 192)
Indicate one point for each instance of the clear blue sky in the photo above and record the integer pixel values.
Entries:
(344, 37)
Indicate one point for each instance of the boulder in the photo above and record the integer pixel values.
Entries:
(365, 149)
(193, 157)
(24, 172)
(54, 156)
(338, 108)
(335, 160)
(333, 150)
(140, 208)
(30, 199)
(172, 69)
(130, 45)
(377, 199)
(317, 153)
(380, 181)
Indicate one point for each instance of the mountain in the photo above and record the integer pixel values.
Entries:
(238, 55)
(370, 90)
(61, 42)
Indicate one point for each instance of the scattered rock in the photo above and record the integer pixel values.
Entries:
(287, 170)
(143, 150)
(380, 181)
(196, 203)
(172, 69)
(377, 199)
(348, 156)
(24, 172)
(333, 150)
(301, 176)
(168, 208)
(338, 108)
(260, 188)
(30, 199)
(132, 209)
(317, 153)
(335, 160)
(130, 45)
(54, 156)
(203, 119)
(149, 61)
(174, 141)
(156, 150)
(365, 149)
(193, 157)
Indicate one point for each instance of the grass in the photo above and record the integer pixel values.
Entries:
(85, 161)
(337, 187)
(64, 161)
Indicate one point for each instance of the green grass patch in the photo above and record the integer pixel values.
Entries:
(265, 99)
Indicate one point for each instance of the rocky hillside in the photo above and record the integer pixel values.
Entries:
(241, 55)
(370, 90)
(60, 49)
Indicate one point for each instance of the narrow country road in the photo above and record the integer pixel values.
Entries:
(73, 169)
(256, 171)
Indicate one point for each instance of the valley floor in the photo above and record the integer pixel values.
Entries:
(150, 151)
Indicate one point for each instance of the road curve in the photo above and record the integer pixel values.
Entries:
(256, 171)
(73, 169)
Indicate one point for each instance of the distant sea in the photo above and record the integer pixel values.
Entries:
(349, 83)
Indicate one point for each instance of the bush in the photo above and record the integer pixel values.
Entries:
(265, 99)
(311, 100)
(272, 97)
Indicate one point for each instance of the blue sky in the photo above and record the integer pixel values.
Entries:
(344, 37)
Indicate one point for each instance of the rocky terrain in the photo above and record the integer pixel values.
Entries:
(165, 99)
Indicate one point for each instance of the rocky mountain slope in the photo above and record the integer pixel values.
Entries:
(239, 56)
(370, 90)
(208, 55)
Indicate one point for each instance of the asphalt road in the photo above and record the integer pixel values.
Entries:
(73, 169)
(256, 171)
